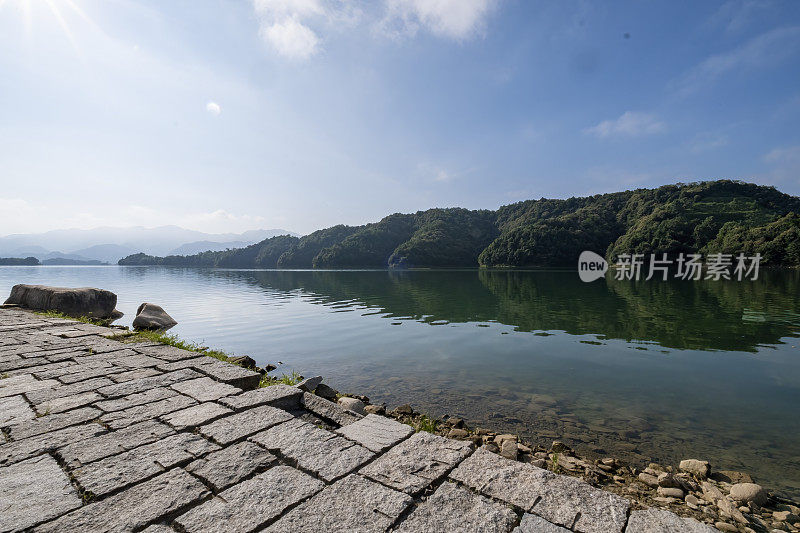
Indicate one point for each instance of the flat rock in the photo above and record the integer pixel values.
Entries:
(239, 425)
(661, 521)
(59, 405)
(535, 524)
(46, 424)
(282, 396)
(252, 503)
(195, 415)
(139, 398)
(134, 508)
(376, 433)
(231, 374)
(13, 452)
(309, 384)
(351, 504)
(112, 443)
(205, 389)
(118, 471)
(140, 385)
(46, 394)
(228, 466)
(453, 508)
(84, 301)
(15, 410)
(34, 491)
(417, 462)
(314, 449)
(148, 411)
(329, 410)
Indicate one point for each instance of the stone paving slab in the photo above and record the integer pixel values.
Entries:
(453, 508)
(351, 504)
(133, 508)
(252, 503)
(162, 439)
(34, 491)
(112, 443)
(326, 454)
(376, 433)
(417, 462)
(237, 426)
(118, 471)
(230, 465)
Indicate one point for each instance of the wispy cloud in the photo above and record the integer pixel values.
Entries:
(785, 163)
(767, 49)
(735, 15)
(629, 124)
(213, 108)
(283, 24)
(454, 19)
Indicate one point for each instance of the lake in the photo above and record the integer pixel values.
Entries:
(639, 370)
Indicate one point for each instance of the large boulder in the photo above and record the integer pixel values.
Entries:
(88, 302)
(152, 316)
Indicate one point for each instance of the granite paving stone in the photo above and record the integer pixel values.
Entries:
(140, 413)
(195, 415)
(326, 454)
(113, 442)
(14, 385)
(661, 521)
(231, 374)
(193, 362)
(351, 504)
(90, 373)
(531, 523)
(12, 452)
(239, 425)
(34, 491)
(134, 508)
(65, 403)
(132, 400)
(251, 504)
(230, 465)
(46, 424)
(205, 389)
(375, 432)
(165, 353)
(329, 410)
(45, 394)
(118, 471)
(15, 410)
(283, 396)
(140, 385)
(454, 508)
(137, 373)
(417, 462)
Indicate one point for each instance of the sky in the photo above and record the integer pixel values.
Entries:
(229, 115)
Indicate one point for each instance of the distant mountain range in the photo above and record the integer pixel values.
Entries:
(109, 244)
(708, 217)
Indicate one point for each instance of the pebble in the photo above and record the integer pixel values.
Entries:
(457, 433)
(649, 479)
(749, 492)
(509, 449)
(724, 526)
(696, 467)
(670, 492)
(357, 406)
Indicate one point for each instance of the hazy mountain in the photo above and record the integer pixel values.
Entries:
(111, 244)
(191, 248)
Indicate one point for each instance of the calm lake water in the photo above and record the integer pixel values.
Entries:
(640, 370)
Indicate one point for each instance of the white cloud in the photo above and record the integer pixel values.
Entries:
(291, 39)
(443, 176)
(767, 49)
(213, 108)
(629, 124)
(454, 19)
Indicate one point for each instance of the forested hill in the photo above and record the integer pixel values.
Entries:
(716, 216)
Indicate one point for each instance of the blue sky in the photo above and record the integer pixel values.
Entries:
(225, 115)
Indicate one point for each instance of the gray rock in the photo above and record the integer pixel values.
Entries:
(314, 449)
(135, 507)
(417, 462)
(152, 316)
(140, 413)
(534, 524)
(140, 385)
(14, 410)
(239, 425)
(508, 449)
(50, 423)
(660, 521)
(231, 374)
(326, 392)
(13, 452)
(282, 396)
(452, 508)
(14, 385)
(101, 446)
(309, 384)
(376, 433)
(351, 504)
(352, 404)
(749, 492)
(228, 466)
(34, 491)
(244, 361)
(328, 410)
(205, 389)
(252, 503)
(195, 415)
(698, 468)
(96, 303)
(59, 405)
(132, 400)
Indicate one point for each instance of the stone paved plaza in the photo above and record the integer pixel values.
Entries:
(104, 436)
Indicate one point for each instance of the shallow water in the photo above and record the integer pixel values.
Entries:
(641, 370)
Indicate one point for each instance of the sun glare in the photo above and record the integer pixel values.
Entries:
(31, 10)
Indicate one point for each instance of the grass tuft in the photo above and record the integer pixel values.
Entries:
(424, 423)
(170, 340)
(84, 319)
(293, 378)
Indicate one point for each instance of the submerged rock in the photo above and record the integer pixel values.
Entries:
(85, 301)
(152, 316)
